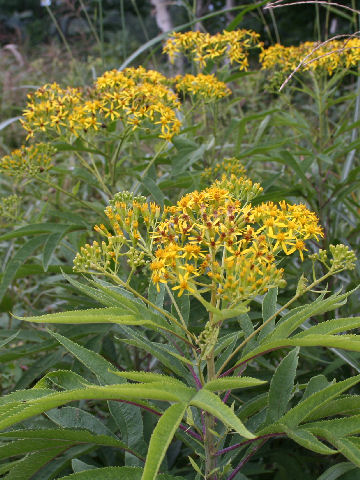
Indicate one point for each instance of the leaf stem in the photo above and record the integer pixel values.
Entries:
(272, 317)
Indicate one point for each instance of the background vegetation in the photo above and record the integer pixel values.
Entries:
(301, 144)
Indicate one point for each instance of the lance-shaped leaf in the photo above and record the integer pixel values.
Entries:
(149, 377)
(161, 438)
(337, 325)
(115, 473)
(300, 412)
(293, 320)
(346, 342)
(71, 436)
(268, 310)
(337, 471)
(23, 410)
(30, 466)
(127, 417)
(308, 440)
(281, 386)
(208, 401)
(339, 427)
(232, 383)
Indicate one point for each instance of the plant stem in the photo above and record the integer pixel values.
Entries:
(149, 165)
(74, 197)
(284, 307)
(209, 444)
(172, 319)
(246, 459)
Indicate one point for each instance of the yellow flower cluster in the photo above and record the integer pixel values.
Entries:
(202, 47)
(133, 97)
(212, 240)
(9, 209)
(28, 161)
(327, 57)
(229, 166)
(131, 219)
(206, 87)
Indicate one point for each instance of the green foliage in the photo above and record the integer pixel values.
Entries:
(145, 378)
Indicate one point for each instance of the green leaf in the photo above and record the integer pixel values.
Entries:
(157, 350)
(281, 386)
(127, 417)
(161, 438)
(315, 384)
(67, 417)
(211, 403)
(349, 447)
(30, 465)
(308, 440)
(154, 190)
(72, 436)
(15, 413)
(50, 246)
(37, 228)
(232, 383)
(8, 340)
(338, 427)
(63, 379)
(149, 377)
(332, 326)
(337, 471)
(303, 409)
(118, 315)
(294, 319)
(268, 310)
(345, 405)
(114, 473)
(346, 342)
(18, 259)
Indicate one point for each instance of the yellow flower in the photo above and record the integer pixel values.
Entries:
(183, 284)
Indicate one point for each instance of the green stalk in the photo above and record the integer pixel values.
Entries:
(69, 194)
(284, 307)
(62, 36)
(170, 317)
(209, 440)
(149, 165)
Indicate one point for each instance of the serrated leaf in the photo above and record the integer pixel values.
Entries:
(315, 384)
(115, 473)
(336, 325)
(300, 412)
(72, 436)
(346, 342)
(128, 417)
(281, 386)
(149, 377)
(94, 315)
(211, 403)
(232, 383)
(31, 465)
(64, 379)
(161, 437)
(67, 417)
(22, 411)
(155, 349)
(308, 440)
(301, 314)
(349, 447)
